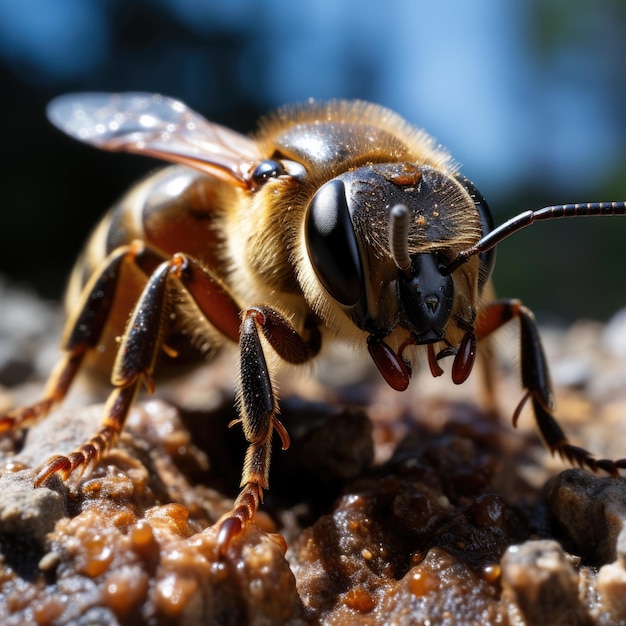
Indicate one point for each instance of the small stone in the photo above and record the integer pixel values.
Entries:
(541, 583)
(590, 511)
(26, 511)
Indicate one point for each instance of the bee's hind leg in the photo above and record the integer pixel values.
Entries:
(81, 334)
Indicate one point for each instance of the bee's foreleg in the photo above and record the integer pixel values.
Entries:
(258, 407)
(536, 380)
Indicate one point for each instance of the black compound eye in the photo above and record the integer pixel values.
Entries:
(488, 258)
(331, 244)
(267, 169)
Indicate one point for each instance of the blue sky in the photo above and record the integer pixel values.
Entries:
(526, 94)
(465, 71)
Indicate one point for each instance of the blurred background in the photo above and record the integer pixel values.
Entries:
(528, 95)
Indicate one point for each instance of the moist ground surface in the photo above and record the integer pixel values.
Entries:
(423, 507)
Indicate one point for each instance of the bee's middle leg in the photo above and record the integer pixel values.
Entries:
(536, 381)
(134, 363)
(140, 345)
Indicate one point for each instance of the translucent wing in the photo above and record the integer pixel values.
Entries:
(157, 126)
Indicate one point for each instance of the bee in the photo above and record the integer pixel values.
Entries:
(336, 221)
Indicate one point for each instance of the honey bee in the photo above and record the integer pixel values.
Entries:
(337, 220)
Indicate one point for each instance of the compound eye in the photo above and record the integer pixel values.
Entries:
(331, 244)
(267, 169)
(488, 258)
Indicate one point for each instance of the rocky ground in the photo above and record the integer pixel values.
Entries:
(423, 507)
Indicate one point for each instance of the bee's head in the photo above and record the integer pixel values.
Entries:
(379, 239)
